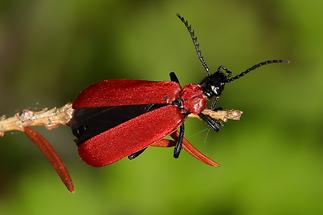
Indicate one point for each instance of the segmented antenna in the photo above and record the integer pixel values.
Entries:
(255, 67)
(196, 44)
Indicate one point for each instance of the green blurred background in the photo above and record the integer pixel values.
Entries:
(271, 159)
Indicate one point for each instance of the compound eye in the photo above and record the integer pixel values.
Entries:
(215, 89)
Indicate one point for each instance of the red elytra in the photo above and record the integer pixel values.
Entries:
(144, 130)
(108, 93)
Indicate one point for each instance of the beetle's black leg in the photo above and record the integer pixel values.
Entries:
(173, 77)
(178, 103)
(136, 154)
(178, 146)
(212, 123)
(229, 73)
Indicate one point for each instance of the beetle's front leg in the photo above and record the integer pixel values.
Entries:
(212, 123)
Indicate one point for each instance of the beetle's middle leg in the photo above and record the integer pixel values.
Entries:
(178, 145)
(173, 77)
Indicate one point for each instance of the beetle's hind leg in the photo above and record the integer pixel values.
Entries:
(136, 154)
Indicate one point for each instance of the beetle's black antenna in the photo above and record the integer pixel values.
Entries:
(255, 67)
(196, 44)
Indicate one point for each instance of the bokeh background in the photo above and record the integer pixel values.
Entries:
(271, 160)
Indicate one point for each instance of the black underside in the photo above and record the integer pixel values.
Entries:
(89, 122)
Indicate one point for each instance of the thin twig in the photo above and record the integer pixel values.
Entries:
(55, 117)
(49, 118)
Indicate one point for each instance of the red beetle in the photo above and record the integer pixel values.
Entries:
(118, 118)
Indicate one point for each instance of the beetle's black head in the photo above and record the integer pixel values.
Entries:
(213, 85)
